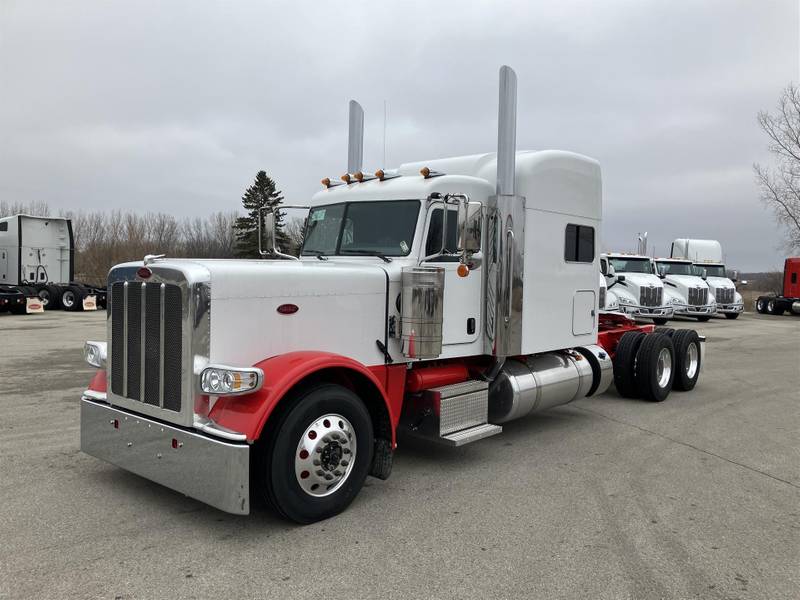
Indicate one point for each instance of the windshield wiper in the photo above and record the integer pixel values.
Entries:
(318, 253)
(380, 255)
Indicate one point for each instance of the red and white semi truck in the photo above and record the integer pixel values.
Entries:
(789, 300)
(415, 308)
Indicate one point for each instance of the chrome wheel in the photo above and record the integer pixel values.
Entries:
(68, 299)
(325, 455)
(692, 361)
(664, 368)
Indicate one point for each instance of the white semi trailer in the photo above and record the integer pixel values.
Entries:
(707, 256)
(37, 258)
(416, 305)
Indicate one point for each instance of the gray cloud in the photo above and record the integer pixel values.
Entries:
(174, 106)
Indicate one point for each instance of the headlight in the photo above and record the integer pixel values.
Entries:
(228, 381)
(95, 354)
(624, 300)
(674, 300)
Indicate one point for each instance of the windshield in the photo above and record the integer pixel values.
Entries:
(385, 227)
(631, 265)
(712, 270)
(675, 268)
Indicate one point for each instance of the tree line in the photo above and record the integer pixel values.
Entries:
(103, 239)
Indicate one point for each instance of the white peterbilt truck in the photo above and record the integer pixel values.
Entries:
(685, 289)
(414, 308)
(706, 255)
(638, 290)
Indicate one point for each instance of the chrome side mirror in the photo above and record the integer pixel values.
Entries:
(734, 276)
(266, 232)
(704, 274)
(470, 223)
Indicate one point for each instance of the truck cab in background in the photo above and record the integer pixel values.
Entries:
(789, 298)
(608, 302)
(686, 291)
(641, 293)
(706, 255)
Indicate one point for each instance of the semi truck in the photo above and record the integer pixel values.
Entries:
(414, 309)
(789, 299)
(608, 302)
(37, 260)
(686, 291)
(638, 289)
(707, 257)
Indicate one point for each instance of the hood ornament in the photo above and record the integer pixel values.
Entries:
(148, 258)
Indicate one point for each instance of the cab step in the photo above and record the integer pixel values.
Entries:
(452, 415)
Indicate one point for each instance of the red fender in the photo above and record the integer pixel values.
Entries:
(249, 413)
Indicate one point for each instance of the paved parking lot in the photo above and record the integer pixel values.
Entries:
(696, 497)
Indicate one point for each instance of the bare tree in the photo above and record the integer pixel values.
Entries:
(780, 186)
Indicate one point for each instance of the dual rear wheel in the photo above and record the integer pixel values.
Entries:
(649, 366)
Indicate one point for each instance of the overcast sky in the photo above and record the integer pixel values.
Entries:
(174, 106)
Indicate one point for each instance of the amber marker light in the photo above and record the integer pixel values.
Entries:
(380, 174)
(346, 177)
(425, 172)
(326, 182)
(463, 270)
(359, 176)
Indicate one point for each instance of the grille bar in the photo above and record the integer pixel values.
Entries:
(147, 343)
(698, 296)
(651, 296)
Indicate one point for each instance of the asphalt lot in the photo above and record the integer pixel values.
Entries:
(696, 497)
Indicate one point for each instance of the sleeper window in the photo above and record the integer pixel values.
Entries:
(579, 243)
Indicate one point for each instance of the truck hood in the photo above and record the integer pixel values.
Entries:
(719, 282)
(683, 283)
(340, 306)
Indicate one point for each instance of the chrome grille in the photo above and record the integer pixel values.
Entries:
(602, 297)
(723, 295)
(698, 296)
(146, 343)
(651, 296)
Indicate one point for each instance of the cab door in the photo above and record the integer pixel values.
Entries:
(462, 295)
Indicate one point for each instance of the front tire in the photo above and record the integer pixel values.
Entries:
(660, 321)
(703, 318)
(731, 316)
(655, 370)
(317, 455)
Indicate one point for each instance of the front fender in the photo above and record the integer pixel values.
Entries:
(248, 413)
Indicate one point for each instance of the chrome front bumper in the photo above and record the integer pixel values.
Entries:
(213, 471)
(692, 310)
(646, 311)
(730, 308)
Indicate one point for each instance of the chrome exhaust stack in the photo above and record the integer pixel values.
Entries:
(355, 138)
(506, 233)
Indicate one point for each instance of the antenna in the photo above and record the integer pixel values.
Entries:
(384, 134)
(355, 138)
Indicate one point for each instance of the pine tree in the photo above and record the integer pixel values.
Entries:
(259, 195)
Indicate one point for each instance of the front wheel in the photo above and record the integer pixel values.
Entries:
(731, 315)
(703, 318)
(318, 454)
(660, 321)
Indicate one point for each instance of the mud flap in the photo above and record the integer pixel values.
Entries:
(90, 302)
(33, 305)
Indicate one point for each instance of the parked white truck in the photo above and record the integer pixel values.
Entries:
(416, 305)
(608, 299)
(706, 255)
(638, 289)
(685, 290)
(37, 259)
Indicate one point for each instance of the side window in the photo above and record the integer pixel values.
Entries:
(794, 277)
(579, 243)
(4, 226)
(433, 243)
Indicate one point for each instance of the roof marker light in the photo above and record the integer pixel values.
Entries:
(359, 176)
(326, 182)
(425, 172)
(380, 174)
(346, 178)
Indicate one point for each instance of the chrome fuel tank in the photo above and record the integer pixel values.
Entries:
(535, 383)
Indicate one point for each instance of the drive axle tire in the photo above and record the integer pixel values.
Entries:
(655, 367)
(317, 454)
(625, 363)
(665, 330)
(72, 298)
(773, 307)
(761, 306)
(688, 359)
(731, 316)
